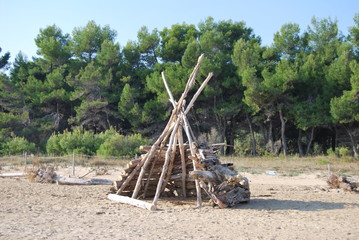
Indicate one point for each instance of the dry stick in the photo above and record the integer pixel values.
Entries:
(193, 154)
(165, 165)
(148, 155)
(183, 160)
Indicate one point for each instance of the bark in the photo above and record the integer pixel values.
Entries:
(282, 131)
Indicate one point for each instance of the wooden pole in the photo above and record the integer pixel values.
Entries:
(172, 158)
(73, 164)
(195, 96)
(193, 154)
(183, 160)
(172, 100)
(190, 81)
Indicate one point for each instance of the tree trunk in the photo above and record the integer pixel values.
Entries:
(270, 136)
(300, 147)
(229, 138)
(334, 139)
(310, 140)
(253, 139)
(282, 131)
(352, 141)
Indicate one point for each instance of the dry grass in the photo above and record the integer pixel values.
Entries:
(292, 166)
(80, 160)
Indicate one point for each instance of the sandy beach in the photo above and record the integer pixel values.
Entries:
(281, 207)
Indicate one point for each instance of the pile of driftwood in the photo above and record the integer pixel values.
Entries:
(341, 182)
(172, 167)
(219, 181)
(43, 175)
(48, 175)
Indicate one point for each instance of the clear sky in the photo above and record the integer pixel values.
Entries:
(21, 20)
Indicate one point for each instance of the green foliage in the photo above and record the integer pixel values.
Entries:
(302, 81)
(120, 145)
(4, 60)
(17, 145)
(109, 143)
(88, 40)
(78, 141)
(53, 45)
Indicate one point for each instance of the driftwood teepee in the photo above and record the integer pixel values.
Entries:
(181, 169)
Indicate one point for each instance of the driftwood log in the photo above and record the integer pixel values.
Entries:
(62, 180)
(3, 175)
(341, 182)
(222, 183)
(48, 175)
(132, 201)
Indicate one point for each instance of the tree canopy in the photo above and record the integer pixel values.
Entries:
(298, 95)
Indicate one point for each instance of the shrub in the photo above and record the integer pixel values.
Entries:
(78, 141)
(18, 145)
(120, 145)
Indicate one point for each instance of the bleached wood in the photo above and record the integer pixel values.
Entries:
(172, 100)
(172, 158)
(183, 160)
(132, 202)
(193, 154)
(190, 81)
(62, 180)
(195, 96)
(13, 174)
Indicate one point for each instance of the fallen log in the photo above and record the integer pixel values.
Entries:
(13, 174)
(61, 180)
(132, 201)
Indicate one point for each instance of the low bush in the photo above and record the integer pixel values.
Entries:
(17, 145)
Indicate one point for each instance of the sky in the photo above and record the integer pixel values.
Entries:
(21, 20)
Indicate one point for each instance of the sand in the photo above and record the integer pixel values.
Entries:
(281, 207)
